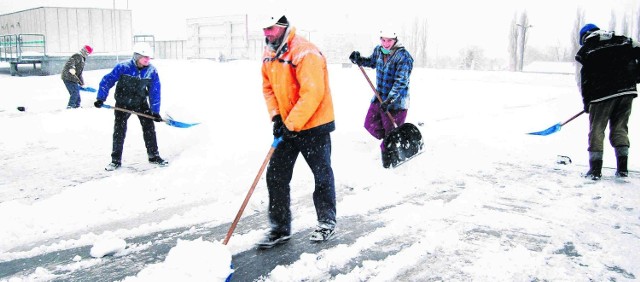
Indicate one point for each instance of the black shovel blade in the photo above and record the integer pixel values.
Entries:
(402, 144)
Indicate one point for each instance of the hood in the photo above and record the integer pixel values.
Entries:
(602, 35)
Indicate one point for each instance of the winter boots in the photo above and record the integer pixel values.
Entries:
(595, 170)
(595, 166)
(622, 155)
(595, 163)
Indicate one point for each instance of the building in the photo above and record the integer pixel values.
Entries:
(48, 35)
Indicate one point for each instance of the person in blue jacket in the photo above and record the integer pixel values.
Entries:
(393, 65)
(137, 81)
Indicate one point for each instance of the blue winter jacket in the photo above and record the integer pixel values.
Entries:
(392, 77)
(134, 85)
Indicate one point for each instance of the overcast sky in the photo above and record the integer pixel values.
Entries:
(452, 24)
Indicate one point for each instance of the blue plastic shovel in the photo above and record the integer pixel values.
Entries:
(168, 120)
(88, 89)
(555, 128)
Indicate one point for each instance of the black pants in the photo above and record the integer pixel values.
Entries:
(120, 132)
(316, 150)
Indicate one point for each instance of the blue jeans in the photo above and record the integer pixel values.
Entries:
(74, 91)
(316, 150)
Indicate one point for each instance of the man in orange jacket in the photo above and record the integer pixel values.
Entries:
(295, 84)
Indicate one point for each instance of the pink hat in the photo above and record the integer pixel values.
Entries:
(88, 48)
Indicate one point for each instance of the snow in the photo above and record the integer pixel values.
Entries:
(485, 201)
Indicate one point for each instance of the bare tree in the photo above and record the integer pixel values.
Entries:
(513, 43)
(472, 58)
(638, 25)
(575, 35)
(523, 28)
(417, 41)
(613, 21)
(626, 25)
(422, 42)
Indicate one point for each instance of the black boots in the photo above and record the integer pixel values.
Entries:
(595, 170)
(622, 170)
(595, 163)
(622, 155)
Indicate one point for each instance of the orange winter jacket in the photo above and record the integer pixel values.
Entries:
(295, 83)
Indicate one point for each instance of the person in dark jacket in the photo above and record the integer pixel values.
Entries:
(393, 65)
(72, 75)
(137, 81)
(608, 87)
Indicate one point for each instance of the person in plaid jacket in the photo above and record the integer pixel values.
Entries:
(393, 65)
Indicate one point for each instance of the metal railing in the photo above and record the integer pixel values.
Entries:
(22, 48)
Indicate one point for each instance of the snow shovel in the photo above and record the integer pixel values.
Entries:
(403, 142)
(555, 128)
(88, 89)
(276, 141)
(167, 120)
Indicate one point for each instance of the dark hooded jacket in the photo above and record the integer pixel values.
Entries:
(75, 62)
(609, 67)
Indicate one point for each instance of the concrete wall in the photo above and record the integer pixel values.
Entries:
(170, 49)
(215, 37)
(54, 65)
(66, 30)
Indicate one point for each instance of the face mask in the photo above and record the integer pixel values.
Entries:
(385, 51)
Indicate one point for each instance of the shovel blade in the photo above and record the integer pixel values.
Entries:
(553, 129)
(402, 143)
(179, 124)
(88, 89)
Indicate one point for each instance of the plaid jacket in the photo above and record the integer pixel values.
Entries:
(392, 77)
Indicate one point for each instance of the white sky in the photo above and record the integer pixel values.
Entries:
(484, 202)
(453, 24)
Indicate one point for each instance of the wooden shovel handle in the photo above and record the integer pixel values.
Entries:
(378, 96)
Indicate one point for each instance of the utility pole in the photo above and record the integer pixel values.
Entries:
(523, 38)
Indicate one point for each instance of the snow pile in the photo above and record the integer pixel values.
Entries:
(195, 260)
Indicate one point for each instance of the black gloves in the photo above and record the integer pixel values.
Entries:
(586, 108)
(98, 103)
(281, 130)
(157, 117)
(385, 105)
(278, 124)
(288, 134)
(355, 58)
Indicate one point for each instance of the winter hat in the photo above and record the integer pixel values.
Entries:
(586, 30)
(387, 33)
(270, 21)
(283, 22)
(89, 49)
